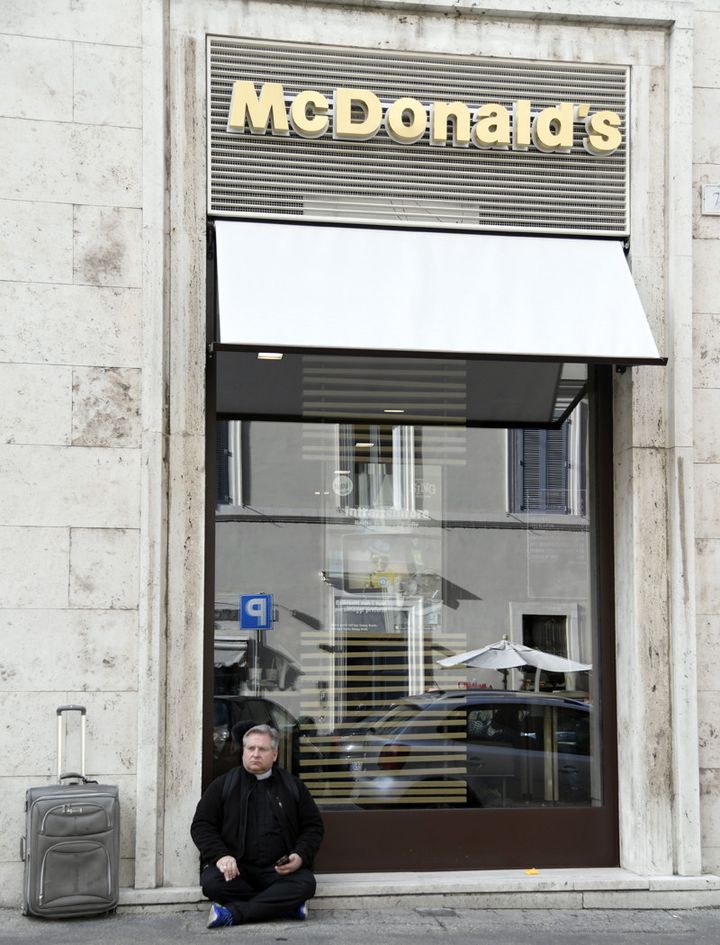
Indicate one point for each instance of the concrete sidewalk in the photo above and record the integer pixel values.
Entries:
(558, 889)
(403, 926)
(503, 907)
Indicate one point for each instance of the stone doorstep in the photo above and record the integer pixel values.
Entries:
(492, 889)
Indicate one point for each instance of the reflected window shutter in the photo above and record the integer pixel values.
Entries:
(533, 450)
(556, 468)
(541, 470)
(222, 450)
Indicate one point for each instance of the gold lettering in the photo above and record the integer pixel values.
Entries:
(552, 129)
(306, 114)
(259, 111)
(358, 116)
(395, 121)
(344, 126)
(521, 125)
(440, 114)
(492, 127)
(604, 134)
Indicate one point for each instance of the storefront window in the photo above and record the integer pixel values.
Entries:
(388, 549)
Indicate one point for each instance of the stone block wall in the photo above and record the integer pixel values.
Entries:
(70, 387)
(706, 378)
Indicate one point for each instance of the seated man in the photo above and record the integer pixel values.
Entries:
(258, 830)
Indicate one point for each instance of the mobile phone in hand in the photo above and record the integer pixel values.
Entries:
(282, 861)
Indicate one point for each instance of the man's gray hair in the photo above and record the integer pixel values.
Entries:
(264, 730)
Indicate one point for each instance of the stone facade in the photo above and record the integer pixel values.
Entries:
(102, 547)
(706, 403)
(71, 281)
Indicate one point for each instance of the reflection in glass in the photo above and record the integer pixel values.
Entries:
(388, 548)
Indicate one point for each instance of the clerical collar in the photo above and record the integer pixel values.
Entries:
(264, 776)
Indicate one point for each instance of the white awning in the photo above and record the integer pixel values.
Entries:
(285, 286)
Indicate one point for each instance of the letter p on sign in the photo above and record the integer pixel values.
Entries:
(256, 611)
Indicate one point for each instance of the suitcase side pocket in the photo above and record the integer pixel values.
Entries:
(77, 870)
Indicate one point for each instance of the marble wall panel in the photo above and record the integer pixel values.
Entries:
(82, 325)
(76, 163)
(705, 226)
(117, 22)
(106, 405)
(642, 656)
(111, 732)
(706, 334)
(706, 51)
(649, 397)
(183, 692)
(34, 565)
(709, 729)
(650, 169)
(36, 242)
(12, 816)
(711, 860)
(108, 85)
(708, 643)
(707, 425)
(649, 277)
(706, 351)
(104, 567)
(46, 89)
(107, 247)
(128, 805)
(127, 872)
(707, 500)
(706, 284)
(28, 735)
(36, 404)
(706, 143)
(82, 487)
(707, 563)
(51, 649)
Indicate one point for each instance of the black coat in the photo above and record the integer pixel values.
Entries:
(218, 827)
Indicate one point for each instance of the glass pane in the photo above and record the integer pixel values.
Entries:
(430, 644)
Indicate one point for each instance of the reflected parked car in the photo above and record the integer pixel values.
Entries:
(229, 710)
(350, 737)
(481, 748)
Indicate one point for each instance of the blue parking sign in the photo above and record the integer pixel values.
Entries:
(256, 611)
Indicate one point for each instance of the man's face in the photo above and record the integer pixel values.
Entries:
(258, 754)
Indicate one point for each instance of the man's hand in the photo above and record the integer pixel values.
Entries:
(294, 863)
(228, 867)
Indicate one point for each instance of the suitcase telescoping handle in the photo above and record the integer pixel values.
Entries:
(61, 710)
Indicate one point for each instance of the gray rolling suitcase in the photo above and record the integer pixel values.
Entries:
(71, 846)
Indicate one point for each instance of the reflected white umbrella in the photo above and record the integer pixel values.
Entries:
(508, 655)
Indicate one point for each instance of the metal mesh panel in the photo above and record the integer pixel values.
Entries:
(382, 182)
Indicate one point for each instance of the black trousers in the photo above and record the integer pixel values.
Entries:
(258, 893)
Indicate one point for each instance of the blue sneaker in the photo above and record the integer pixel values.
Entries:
(219, 916)
(301, 912)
